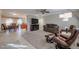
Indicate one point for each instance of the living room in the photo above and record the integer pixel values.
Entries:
(34, 30)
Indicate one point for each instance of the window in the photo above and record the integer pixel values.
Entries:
(19, 21)
(9, 21)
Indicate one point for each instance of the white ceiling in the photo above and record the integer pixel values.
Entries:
(20, 12)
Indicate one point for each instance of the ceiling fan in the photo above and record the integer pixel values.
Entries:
(44, 11)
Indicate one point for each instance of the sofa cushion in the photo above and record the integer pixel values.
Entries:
(51, 25)
(52, 28)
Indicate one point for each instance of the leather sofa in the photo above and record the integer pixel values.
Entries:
(52, 28)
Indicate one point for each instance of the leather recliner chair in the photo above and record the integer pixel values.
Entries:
(69, 41)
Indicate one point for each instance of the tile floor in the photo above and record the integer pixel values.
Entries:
(15, 40)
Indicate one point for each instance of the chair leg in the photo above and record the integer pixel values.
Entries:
(57, 46)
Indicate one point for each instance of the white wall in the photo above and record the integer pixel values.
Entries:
(29, 17)
(41, 23)
(40, 20)
(54, 19)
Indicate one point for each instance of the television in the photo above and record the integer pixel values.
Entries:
(34, 21)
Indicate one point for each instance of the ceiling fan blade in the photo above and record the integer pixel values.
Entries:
(43, 11)
(47, 12)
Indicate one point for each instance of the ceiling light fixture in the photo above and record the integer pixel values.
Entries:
(65, 16)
